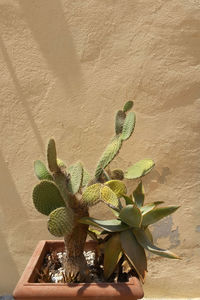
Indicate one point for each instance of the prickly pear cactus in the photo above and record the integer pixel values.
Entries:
(64, 194)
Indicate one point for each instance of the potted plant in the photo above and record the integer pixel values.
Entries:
(64, 194)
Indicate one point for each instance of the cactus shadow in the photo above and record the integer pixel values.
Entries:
(11, 212)
(20, 94)
(8, 267)
(48, 25)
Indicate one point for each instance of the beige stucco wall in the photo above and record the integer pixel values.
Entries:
(66, 67)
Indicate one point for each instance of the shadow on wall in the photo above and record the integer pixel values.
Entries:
(20, 94)
(49, 28)
(8, 267)
(11, 211)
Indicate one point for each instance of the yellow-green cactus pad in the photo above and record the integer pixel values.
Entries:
(47, 197)
(92, 194)
(139, 169)
(117, 186)
(129, 125)
(60, 222)
(108, 155)
(109, 197)
(61, 163)
(41, 171)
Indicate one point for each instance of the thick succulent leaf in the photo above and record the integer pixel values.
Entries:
(128, 200)
(134, 252)
(149, 206)
(52, 156)
(108, 155)
(119, 121)
(149, 234)
(129, 125)
(86, 177)
(144, 241)
(112, 254)
(41, 171)
(131, 215)
(138, 195)
(128, 105)
(108, 225)
(157, 214)
(117, 174)
(109, 197)
(76, 174)
(92, 194)
(117, 186)
(47, 197)
(60, 222)
(139, 169)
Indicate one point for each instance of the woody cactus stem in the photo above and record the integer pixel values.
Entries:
(75, 264)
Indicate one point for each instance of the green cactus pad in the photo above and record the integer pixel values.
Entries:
(47, 197)
(108, 155)
(92, 194)
(119, 121)
(128, 105)
(52, 156)
(139, 169)
(76, 173)
(41, 171)
(117, 186)
(86, 177)
(129, 125)
(109, 197)
(60, 222)
(117, 174)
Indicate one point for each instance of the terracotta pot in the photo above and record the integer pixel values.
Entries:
(27, 289)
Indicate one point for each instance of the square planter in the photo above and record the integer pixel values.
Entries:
(27, 289)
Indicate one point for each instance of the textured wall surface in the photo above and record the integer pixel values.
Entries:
(66, 67)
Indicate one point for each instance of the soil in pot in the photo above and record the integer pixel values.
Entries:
(52, 270)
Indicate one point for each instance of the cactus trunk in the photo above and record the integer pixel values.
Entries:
(75, 264)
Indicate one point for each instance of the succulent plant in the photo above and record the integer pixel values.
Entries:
(65, 194)
(129, 235)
